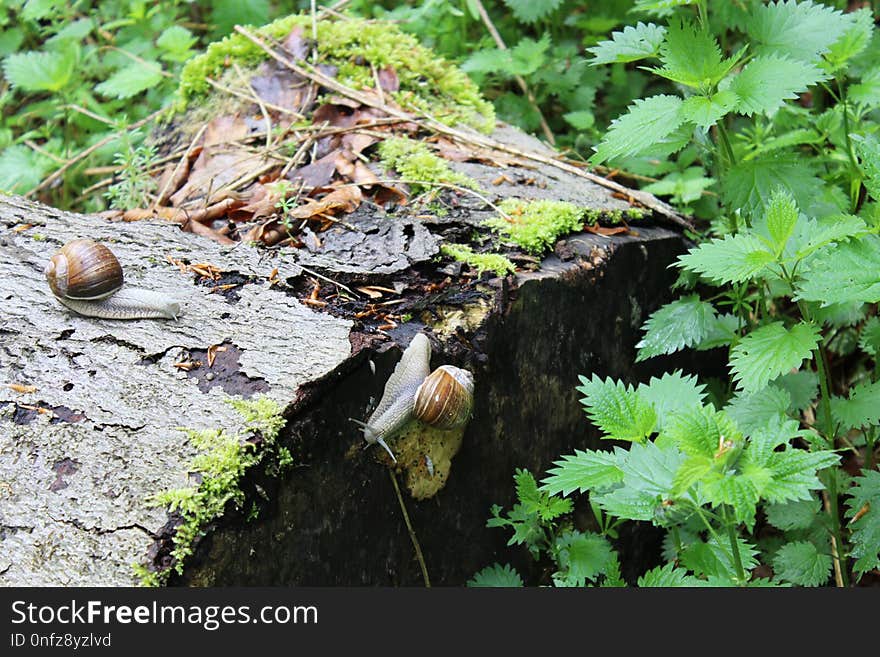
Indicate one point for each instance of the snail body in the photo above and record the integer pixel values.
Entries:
(442, 398)
(86, 277)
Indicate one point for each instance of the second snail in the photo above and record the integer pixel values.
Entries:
(443, 398)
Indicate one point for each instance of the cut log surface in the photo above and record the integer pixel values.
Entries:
(81, 454)
(90, 409)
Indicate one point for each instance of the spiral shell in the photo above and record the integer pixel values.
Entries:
(84, 269)
(445, 398)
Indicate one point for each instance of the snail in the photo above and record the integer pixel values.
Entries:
(443, 398)
(87, 278)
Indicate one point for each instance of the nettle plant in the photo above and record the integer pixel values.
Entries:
(703, 470)
(776, 467)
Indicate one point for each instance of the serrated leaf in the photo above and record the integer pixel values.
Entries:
(752, 411)
(584, 471)
(802, 387)
(21, 169)
(226, 14)
(668, 576)
(496, 575)
(722, 332)
(868, 150)
(701, 431)
(39, 71)
(648, 473)
(801, 30)
(789, 475)
(780, 218)
(616, 409)
(799, 514)
(801, 563)
(869, 340)
(716, 561)
(528, 11)
(771, 351)
(648, 121)
(684, 186)
(672, 393)
(528, 55)
(867, 91)
(633, 43)
(815, 233)
(580, 120)
(692, 57)
(732, 259)
(177, 42)
(748, 185)
(706, 110)
(581, 557)
(765, 83)
(679, 324)
(853, 41)
(131, 80)
(864, 502)
(737, 491)
(691, 471)
(546, 507)
(849, 271)
(861, 409)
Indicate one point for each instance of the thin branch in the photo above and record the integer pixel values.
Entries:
(88, 151)
(487, 21)
(412, 534)
(161, 197)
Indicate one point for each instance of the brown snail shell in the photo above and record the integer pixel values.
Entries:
(445, 398)
(84, 269)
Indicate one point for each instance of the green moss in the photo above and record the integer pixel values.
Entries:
(222, 461)
(480, 261)
(415, 162)
(428, 83)
(536, 225)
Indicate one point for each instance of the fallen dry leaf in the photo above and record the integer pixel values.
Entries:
(23, 389)
(344, 199)
(607, 232)
(212, 352)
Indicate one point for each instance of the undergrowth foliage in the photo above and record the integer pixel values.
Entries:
(775, 467)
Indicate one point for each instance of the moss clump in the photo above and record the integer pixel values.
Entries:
(494, 262)
(416, 163)
(428, 83)
(536, 225)
(222, 462)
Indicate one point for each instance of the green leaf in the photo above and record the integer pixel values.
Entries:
(798, 514)
(528, 55)
(691, 56)
(581, 557)
(800, 563)
(862, 409)
(489, 60)
(580, 120)
(701, 431)
(865, 502)
(847, 272)
(131, 80)
(766, 82)
(648, 121)
(866, 92)
(748, 185)
(496, 575)
(684, 186)
(226, 14)
(800, 30)
(770, 351)
(668, 576)
(732, 259)
(528, 11)
(853, 41)
(538, 502)
(787, 475)
(752, 411)
(781, 217)
(868, 150)
(722, 332)
(815, 234)
(177, 42)
(672, 393)
(616, 409)
(869, 340)
(802, 387)
(734, 490)
(633, 43)
(584, 471)
(648, 473)
(22, 169)
(706, 110)
(679, 324)
(39, 71)
(713, 560)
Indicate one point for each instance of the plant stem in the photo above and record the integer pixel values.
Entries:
(734, 549)
(412, 533)
(725, 142)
